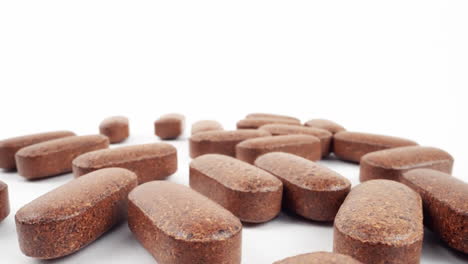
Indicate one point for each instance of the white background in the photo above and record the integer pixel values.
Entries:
(390, 67)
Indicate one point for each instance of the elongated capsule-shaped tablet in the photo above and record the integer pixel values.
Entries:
(351, 146)
(273, 116)
(310, 190)
(251, 194)
(169, 126)
(150, 162)
(221, 142)
(178, 225)
(319, 258)
(392, 163)
(380, 222)
(329, 125)
(4, 201)
(55, 157)
(115, 128)
(206, 125)
(254, 123)
(445, 203)
(9, 147)
(280, 130)
(305, 146)
(70, 217)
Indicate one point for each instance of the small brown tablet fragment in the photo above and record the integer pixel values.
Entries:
(206, 125)
(380, 222)
(55, 156)
(4, 201)
(310, 190)
(169, 126)
(9, 147)
(329, 125)
(319, 258)
(254, 123)
(221, 142)
(73, 215)
(150, 162)
(445, 203)
(177, 225)
(351, 146)
(274, 116)
(251, 194)
(324, 136)
(115, 128)
(390, 164)
(305, 146)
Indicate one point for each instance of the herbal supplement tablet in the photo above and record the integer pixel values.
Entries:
(445, 203)
(309, 189)
(55, 157)
(319, 258)
(150, 162)
(178, 225)
(254, 123)
(251, 194)
(392, 163)
(274, 116)
(206, 125)
(9, 147)
(380, 221)
(169, 126)
(351, 146)
(305, 146)
(4, 201)
(115, 128)
(75, 214)
(221, 142)
(329, 125)
(280, 130)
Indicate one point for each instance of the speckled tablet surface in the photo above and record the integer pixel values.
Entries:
(177, 225)
(73, 215)
(380, 222)
(391, 163)
(445, 202)
(150, 162)
(250, 193)
(310, 190)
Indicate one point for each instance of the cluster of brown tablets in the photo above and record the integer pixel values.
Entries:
(244, 175)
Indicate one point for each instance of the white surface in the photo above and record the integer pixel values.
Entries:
(390, 67)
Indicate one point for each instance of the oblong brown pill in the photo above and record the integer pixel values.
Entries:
(251, 194)
(309, 189)
(169, 126)
(177, 225)
(326, 124)
(319, 258)
(351, 146)
(445, 203)
(305, 146)
(150, 162)
(280, 129)
(73, 215)
(115, 128)
(221, 142)
(9, 147)
(274, 116)
(254, 123)
(380, 222)
(4, 201)
(390, 164)
(206, 125)
(55, 156)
